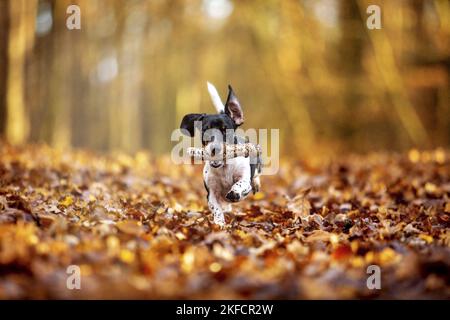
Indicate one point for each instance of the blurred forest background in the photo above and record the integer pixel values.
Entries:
(310, 68)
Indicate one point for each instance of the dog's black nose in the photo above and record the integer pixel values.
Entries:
(216, 149)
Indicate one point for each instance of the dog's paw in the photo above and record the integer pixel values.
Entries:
(233, 196)
(219, 220)
(256, 185)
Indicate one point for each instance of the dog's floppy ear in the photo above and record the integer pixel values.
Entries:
(187, 124)
(233, 107)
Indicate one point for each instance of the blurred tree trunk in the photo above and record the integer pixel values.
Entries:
(59, 80)
(22, 15)
(350, 52)
(393, 85)
(4, 27)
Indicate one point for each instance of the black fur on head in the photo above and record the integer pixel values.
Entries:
(223, 122)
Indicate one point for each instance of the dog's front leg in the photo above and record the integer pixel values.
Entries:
(213, 189)
(216, 210)
(242, 186)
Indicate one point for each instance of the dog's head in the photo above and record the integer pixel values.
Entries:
(216, 128)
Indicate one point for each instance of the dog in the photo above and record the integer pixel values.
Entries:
(231, 180)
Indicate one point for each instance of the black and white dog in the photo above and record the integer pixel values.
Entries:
(233, 179)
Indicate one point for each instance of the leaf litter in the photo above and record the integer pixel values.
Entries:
(138, 227)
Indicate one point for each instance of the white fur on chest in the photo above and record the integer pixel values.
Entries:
(220, 180)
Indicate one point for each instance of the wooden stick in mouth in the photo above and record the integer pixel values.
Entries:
(230, 151)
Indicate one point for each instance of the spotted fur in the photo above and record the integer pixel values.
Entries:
(232, 177)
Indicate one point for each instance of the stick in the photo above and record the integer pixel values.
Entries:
(231, 151)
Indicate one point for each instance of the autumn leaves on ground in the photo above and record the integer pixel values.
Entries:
(138, 227)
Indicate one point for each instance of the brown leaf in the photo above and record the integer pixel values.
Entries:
(130, 227)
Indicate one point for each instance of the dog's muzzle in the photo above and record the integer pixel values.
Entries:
(216, 151)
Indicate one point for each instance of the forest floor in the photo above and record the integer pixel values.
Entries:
(138, 227)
